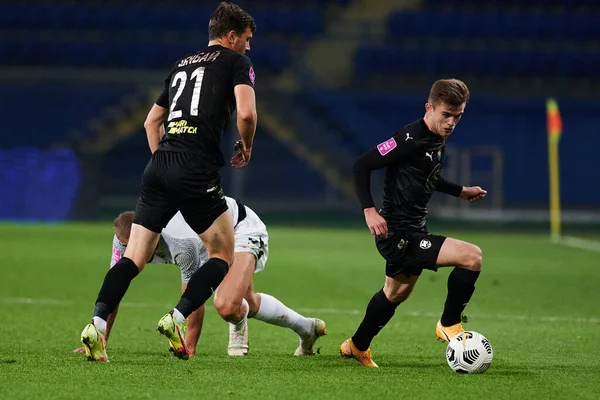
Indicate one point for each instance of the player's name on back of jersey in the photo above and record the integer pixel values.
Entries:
(200, 57)
(176, 127)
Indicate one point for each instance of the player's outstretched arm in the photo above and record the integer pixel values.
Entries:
(445, 186)
(154, 126)
(246, 123)
(194, 329)
(472, 193)
(110, 322)
(194, 326)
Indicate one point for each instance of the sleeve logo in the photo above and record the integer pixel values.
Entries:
(116, 256)
(387, 146)
(252, 75)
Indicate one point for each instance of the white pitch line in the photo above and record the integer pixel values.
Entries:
(317, 311)
(592, 320)
(39, 302)
(580, 243)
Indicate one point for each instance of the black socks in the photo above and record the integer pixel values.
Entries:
(461, 285)
(116, 283)
(379, 312)
(202, 285)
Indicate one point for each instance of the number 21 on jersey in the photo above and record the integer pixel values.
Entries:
(180, 81)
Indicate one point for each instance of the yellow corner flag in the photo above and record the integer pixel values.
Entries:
(554, 123)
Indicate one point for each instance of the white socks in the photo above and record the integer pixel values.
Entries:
(274, 312)
(100, 324)
(178, 316)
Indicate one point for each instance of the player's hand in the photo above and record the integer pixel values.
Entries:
(472, 193)
(79, 350)
(377, 225)
(242, 158)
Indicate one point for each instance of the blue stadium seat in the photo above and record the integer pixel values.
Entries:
(485, 62)
(125, 53)
(76, 102)
(495, 25)
(150, 17)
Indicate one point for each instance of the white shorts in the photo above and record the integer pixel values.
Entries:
(251, 237)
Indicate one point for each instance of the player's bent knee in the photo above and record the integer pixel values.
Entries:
(228, 310)
(475, 259)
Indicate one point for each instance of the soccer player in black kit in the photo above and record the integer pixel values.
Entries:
(198, 99)
(414, 158)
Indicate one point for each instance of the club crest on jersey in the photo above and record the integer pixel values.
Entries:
(252, 75)
(425, 244)
(387, 146)
(439, 155)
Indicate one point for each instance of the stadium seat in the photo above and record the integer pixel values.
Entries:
(484, 62)
(150, 17)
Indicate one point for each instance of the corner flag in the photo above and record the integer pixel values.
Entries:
(554, 122)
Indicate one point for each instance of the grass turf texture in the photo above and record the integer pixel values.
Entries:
(536, 302)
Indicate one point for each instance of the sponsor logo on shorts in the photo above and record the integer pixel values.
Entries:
(425, 244)
(402, 244)
(387, 146)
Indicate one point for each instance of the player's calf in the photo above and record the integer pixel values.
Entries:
(203, 283)
(399, 288)
(468, 260)
(115, 285)
(229, 299)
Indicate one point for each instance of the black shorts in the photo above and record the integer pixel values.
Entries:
(175, 182)
(409, 253)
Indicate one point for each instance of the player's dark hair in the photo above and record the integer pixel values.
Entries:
(122, 225)
(453, 92)
(229, 17)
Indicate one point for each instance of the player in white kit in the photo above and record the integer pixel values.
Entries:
(180, 245)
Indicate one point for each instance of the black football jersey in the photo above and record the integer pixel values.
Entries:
(199, 96)
(414, 158)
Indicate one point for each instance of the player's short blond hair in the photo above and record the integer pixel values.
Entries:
(122, 225)
(453, 92)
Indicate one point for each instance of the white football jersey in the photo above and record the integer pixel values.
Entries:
(180, 245)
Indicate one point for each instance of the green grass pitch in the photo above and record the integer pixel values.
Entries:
(537, 303)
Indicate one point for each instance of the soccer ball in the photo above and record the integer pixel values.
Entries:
(469, 353)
